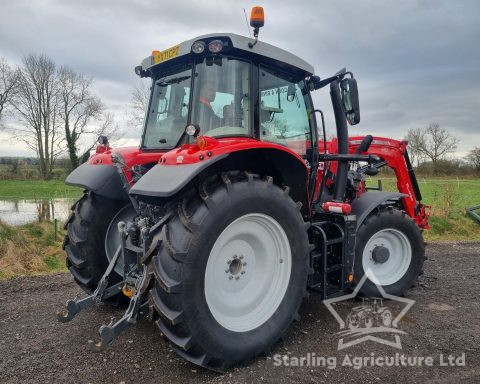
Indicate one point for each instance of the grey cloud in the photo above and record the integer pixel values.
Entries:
(416, 61)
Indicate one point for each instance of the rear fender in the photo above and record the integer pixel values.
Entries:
(168, 179)
(102, 179)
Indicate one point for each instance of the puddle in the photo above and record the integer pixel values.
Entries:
(18, 212)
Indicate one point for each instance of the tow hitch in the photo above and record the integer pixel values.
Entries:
(134, 282)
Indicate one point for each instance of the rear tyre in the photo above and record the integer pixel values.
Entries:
(230, 270)
(90, 239)
(390, 245)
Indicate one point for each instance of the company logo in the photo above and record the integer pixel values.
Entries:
(373, 320)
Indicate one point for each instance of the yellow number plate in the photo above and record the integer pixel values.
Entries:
(168, 54)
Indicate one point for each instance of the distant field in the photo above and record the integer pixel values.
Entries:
(37, 189)
(449, 198)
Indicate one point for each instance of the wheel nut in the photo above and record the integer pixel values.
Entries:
(230, 277)
(226, 270)
(238, 277)
(229, 261)
(244, 264)
(243, 272)
(241, 257)
(281, 261)
(234, 256)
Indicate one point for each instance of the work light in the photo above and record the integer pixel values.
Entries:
(198, 47)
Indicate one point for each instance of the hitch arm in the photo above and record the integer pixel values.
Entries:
(102, 292)
(136, 309)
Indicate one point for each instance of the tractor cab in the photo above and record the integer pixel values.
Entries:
(225, 89)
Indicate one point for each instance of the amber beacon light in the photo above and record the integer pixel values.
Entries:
(257, 20)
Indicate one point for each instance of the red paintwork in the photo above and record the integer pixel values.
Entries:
(191, 153)
(333, 206)
(392, 152)
(131, 155)
(389, 149)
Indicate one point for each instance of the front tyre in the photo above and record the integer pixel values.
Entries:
(230, 270)
(389, 246)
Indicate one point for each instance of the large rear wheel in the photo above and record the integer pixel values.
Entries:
(92, 238)
(230, 270)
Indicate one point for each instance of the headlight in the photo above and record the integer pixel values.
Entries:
(198, 47)
(215, 46)
(192, 130)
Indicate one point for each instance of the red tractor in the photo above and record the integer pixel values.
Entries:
(219, 241)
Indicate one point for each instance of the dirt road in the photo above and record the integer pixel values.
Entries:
(445, 320)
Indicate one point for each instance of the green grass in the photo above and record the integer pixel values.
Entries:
(449, 199)
(37, 189)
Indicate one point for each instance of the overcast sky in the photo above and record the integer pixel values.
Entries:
(416, 61)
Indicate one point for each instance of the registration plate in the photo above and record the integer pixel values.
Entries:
(167, 54)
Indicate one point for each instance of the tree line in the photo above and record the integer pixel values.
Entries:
(52, 109)
(55, 111)
(430, 146)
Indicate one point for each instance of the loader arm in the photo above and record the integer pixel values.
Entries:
(393, 153)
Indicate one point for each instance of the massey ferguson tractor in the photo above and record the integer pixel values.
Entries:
(218, 239)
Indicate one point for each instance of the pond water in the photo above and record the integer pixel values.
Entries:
(22, 211)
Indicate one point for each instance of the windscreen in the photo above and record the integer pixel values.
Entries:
(221, 97)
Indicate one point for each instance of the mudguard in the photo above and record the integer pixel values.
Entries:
(173, 177)
(104, 180)
(366, 203)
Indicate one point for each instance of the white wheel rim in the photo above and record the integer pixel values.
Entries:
(113, 239)
(248, 272)
(400, 256)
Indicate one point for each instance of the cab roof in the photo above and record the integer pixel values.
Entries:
(240, 43)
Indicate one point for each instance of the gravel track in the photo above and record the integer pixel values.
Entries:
(445, 319)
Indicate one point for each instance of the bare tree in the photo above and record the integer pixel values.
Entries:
(473, 158)
(432, 142)
(139, 104)
(37, 104)
(78, 107)
(106, 127)
(8, 85)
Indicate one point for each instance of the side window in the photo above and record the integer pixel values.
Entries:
(284, 118)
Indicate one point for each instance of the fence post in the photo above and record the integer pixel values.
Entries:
(55, 221)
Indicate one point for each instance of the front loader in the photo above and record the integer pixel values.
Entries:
(234, 226)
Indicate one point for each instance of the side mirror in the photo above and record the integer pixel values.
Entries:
(291, 91)
(351, 104)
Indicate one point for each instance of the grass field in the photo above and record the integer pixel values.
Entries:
(37, 189)
(449, 199)
(31, 248)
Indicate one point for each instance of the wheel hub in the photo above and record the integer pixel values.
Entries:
(236, 267)
(380, 254)
(387, 256)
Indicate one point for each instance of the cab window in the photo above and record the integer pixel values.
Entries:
(284, 118)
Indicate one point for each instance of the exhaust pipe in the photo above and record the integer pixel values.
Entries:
(342, 136)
